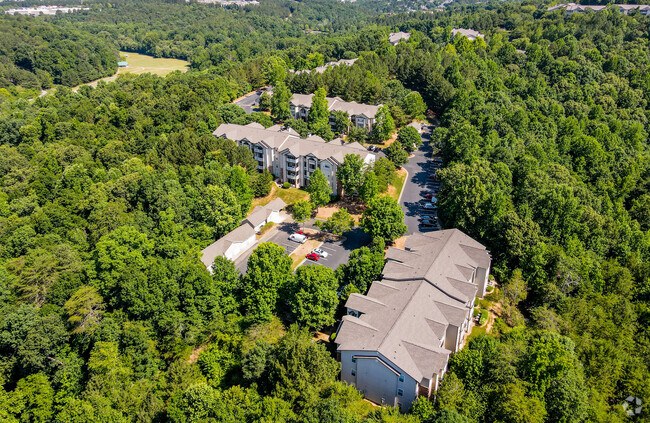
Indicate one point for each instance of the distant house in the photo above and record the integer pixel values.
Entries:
(290, 158)
(395, 37)
(321, 69)
(235, 242)
(571, 8)
(262, 215)
(394, 343)
(122, 64)
(469, 33)
(361, 115)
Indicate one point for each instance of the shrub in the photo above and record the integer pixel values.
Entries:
(476, 312)
(286, 185)
(484, 317)
(266, 228)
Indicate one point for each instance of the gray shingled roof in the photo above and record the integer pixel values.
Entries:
(261, 213)
(218, 248)
(289, 140)
(396, 37)
(337, 104)
(469, 33)
(405, 315)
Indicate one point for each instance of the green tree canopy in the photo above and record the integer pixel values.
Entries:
(319, 189)
(269, 271)
(384, 218)
(314, 298)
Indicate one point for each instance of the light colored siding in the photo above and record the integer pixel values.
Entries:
(377, 378)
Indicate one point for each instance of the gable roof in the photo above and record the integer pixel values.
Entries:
(337, 104)
(321, 69)
(405, 316)
(396, 37)
(469, 33)
(260, 214)
(219, 248)
(287, 140)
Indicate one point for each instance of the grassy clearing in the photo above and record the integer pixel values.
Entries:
(288, 195)
(395, 188)
(140, 63)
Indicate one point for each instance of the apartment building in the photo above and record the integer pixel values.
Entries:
(290, 158)
(361, 115)
(394, 343)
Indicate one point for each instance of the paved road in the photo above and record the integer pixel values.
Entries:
(419, 167)
(251, 101)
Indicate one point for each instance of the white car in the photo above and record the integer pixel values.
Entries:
(298, 238)
(319, 252)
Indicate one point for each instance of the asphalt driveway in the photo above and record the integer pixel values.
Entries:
(252, 100)
(419, 168)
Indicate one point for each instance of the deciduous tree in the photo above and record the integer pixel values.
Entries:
(384, 218)
(314, 298)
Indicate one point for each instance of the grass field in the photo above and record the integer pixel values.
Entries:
(140, 63)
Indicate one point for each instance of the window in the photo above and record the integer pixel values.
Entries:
(354, 360)
(354, 372)
(401, 378)
(400, 392)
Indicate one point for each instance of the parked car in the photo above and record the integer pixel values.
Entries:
(303, 233)
(432, 176)
(428, 224)
(437, 160)
(320, 252)
(313, 256)
(429, 206)
(298, 238)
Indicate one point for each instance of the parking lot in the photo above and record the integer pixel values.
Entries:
(420, 182)
(250, 102)
(338, 252)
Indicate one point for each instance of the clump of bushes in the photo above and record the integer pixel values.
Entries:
(286, 185)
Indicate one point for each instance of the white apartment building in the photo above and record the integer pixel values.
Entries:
(290, 158)
(394, 343)
(361, 115)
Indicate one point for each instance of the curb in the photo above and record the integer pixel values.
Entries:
(399, 200)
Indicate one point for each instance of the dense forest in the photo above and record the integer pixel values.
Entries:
(36, 54)
(108, 194)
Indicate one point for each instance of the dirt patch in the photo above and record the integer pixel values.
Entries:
(320, 336)
(399, 243)
(196, 352)
(355, 208)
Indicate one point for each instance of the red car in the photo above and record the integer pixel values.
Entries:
(313, 256)
(303, 233)
(428, 196)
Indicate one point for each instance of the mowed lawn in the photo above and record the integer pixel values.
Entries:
(140, 63)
